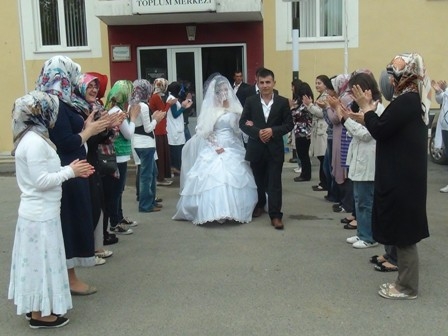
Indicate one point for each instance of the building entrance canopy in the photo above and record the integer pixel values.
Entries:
(141, 12)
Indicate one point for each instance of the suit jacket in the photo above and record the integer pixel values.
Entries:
(280, 120)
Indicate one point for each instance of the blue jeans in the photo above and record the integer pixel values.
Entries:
(147, 179)
(363, 194)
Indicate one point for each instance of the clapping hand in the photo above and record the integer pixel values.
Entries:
(158, 115)
(82, 168)
(364, 99)
(96, 126)
(187, 103)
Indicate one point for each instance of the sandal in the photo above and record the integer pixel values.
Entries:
(375, 260)
(345, 220)
(383, 268)
(350, 227)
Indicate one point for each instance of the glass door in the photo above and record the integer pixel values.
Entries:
(185, 67)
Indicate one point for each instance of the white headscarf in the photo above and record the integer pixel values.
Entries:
(219, 99)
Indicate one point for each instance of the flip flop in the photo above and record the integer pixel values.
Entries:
(382, 268)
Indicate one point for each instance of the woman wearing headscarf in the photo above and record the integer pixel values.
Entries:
(361, 162)
(176, 126)
(159, 102)
(399, 207)
(39, 284)
(144, 143)
(117, 102)
(217, 184)
(70, 133)
(341, 141)
(86, 103)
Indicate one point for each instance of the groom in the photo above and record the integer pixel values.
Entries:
(266, 118)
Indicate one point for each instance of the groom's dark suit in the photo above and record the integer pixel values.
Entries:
(267, 158)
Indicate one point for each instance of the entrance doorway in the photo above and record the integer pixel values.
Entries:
(191, 65)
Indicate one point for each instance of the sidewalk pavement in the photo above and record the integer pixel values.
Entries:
(174, 278)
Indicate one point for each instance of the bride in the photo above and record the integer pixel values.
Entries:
(216, 182)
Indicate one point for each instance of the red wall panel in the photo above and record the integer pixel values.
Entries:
(250, 33)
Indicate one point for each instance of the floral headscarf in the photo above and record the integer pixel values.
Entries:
(409, 74)
(160, 86)
(119, 94)
(58, 76)
(35, 111)
(78, 99)
(142, 91)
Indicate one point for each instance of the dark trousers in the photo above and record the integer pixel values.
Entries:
(268, 178)
(322, 176)
(113, 191)
(333, 192)
(303, 148)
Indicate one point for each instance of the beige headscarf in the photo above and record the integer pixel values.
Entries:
(160, 86)
(409, 75)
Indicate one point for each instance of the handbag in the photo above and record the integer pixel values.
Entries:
(107, 163)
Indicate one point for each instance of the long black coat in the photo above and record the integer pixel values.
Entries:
(399, 207)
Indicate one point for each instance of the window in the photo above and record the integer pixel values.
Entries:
(63, 23)
(319, 18)
(67, 27)
(322, 24)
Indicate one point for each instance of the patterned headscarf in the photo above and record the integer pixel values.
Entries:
(340, 83)
(119, 94)
(160, 86)
(409, 74)
(35, 111)
(58, 76)
(79, 95)
(142, 91)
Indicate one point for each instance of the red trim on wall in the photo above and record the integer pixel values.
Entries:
(250, 33)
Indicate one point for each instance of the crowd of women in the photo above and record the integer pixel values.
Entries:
(359, 144)
(65, 123)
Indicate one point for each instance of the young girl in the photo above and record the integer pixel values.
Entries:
(39, 281)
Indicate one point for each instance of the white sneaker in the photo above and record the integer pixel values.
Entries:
(99, 261)
(352, 240)
(444, 189)
(104, 254)
(298, 170)
(361, 244)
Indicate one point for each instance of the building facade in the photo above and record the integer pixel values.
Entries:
(187, 40)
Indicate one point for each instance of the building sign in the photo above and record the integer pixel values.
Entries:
(121, 53)
(172, 6)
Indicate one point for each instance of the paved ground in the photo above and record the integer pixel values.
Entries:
(173, 278)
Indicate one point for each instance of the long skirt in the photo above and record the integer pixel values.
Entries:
(39, 278)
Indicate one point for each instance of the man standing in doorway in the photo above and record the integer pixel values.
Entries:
(238, 84)
(266, 118)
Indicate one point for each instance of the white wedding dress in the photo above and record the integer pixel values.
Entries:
(216, 187)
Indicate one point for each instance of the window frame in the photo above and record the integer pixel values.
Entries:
(31, 40)
(349, 28)
(62, 30)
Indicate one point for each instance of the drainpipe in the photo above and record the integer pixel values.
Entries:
(22, 47)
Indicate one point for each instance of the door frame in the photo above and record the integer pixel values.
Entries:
(172, 70)
(197, 48)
